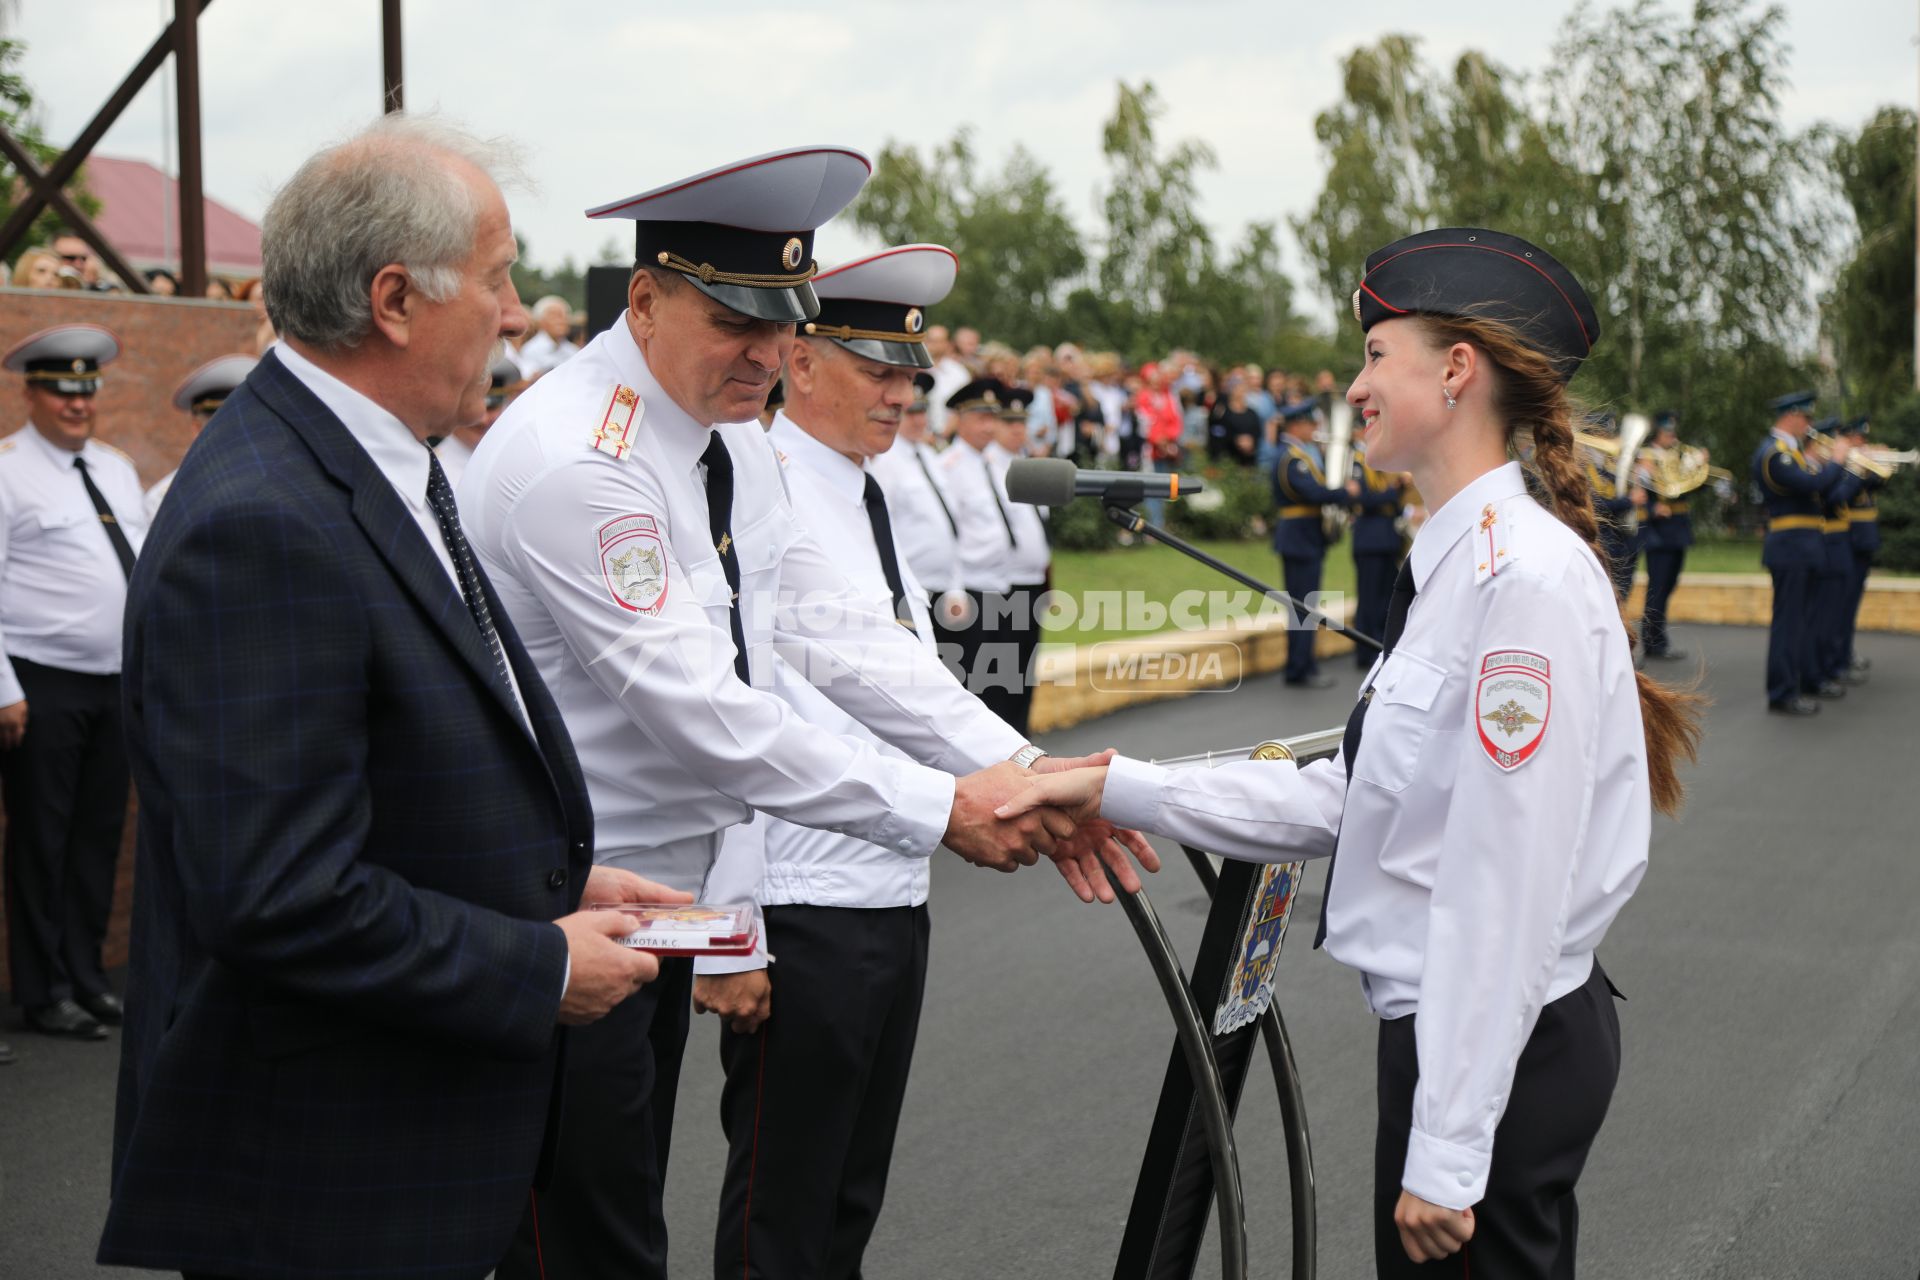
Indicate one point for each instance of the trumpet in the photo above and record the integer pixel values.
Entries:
(1871, 460)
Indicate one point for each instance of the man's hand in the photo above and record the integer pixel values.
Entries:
(1096, 845)
(1429, 1232)
(603, 972)
(611, 884)
(742, 1000)
(976, 834)
(13, 725)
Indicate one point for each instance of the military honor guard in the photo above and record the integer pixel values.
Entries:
(201, 393)
(1863, 532)
(639, 530)
(1833, 583)
(456, 450)
(1793, 489)
(1667, 534)
(1030, 562)
(72, 518)
(1300, 489)
(1614, 503)
(989, 542)
(1377, 500)
(813, 1098)
(923, 521)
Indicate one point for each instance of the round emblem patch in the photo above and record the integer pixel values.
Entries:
(1512, 705)
(633, 561)
(790, 256)
(915, 321)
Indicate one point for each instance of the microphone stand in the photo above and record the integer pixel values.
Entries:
(1119, 500)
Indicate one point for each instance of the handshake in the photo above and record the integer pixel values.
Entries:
(1083, 846)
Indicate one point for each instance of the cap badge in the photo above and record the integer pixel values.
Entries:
(915, 321)
(79, 366)
(790, 255)
(1356, 308)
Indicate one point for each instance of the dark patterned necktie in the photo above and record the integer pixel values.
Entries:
(937, 495)
(108, 521)
(1403, 593)
(440, 498)
(889, 560)
(719, 464)
(1013, 539)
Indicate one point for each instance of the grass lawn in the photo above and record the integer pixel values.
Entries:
(1160, 575)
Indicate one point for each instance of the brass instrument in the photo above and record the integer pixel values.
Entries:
(1674, 473)
(1872, 460)
(1334, 519)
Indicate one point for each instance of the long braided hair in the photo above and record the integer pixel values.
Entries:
(1529, 396)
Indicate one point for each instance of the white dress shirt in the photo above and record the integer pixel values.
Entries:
(949, 375)
(158, 494)
(63, 594)
(924, 527)
(804, 864)
(608, 569)
(454, 454)
(1032, 555)
(1467, 890)
(399, 455)
(542, 354)
(986, 546)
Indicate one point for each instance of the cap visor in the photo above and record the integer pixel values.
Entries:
(905, 355)
(73, 386)
(782, 306)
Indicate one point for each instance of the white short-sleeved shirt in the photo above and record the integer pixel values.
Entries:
(587, 504)
(986, 537)
(924, 527)
(1032, 555)
(63, 593)
(1497, 821)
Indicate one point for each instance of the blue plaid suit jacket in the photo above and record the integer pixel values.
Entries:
(340, 1050)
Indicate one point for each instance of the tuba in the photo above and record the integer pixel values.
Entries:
(1334, 519)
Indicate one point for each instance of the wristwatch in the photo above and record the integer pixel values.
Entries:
(1026, 755)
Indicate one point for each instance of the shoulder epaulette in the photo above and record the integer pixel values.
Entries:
(8, 446)
(1493, 549)
(115, 452)
(619, 422)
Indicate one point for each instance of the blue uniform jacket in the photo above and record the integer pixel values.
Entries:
(1791, 488)
(1382, 494)
(1300, 490)
(1863, 517)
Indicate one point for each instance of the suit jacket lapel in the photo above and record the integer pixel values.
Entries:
(384, 517)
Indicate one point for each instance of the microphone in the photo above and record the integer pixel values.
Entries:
(1054, 482)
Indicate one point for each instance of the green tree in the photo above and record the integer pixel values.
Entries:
(17, 117)
(567, 280)
(1870, 315)
(1018, 248)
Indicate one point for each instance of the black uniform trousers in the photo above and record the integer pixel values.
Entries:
(1862, 566)
(601, 1216)
(1373, 591)
(1663, 575)
(1301, 577)
(1026, 598)
(1527, 1224)
(66, 795)
(1788, 634)
(812, 1100)
(1832, 592)
(991, 654)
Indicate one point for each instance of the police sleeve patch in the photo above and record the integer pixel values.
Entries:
(1512, 704)
(633, 563)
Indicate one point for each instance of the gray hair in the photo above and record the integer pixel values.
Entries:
(392, 193)
(552, 302)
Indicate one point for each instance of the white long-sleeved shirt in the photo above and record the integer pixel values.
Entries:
(607, 567)
(1032, 555)
(985, 518)
(1498, 817)
(63, 593)
(922, 512)
(805, 864)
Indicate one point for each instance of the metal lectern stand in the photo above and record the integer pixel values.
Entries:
(1191, 1167)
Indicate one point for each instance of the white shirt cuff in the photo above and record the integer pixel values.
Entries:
(1133, 793)
(1441, 1173)
(924, 800)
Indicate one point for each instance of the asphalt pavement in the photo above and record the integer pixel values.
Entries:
(1766, 1122)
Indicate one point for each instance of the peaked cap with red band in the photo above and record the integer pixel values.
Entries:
(1471, 272)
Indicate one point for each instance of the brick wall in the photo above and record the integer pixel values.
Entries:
(161, 341)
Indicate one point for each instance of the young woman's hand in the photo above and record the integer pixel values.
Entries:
(1429, 1231)
(1074, 791)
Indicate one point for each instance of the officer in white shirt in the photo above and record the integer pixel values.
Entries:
(71, 522)
(201, 393)
(456, 450)
(635, 523)
(847, 918)
(1494, 818)
(1030, 561)
(549, 347)
(989, 649)
(916, 487)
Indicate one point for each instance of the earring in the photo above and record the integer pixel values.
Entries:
(1447, 391)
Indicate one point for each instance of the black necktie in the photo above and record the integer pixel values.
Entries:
(719, 465)
(440, 498)
(1013, 539)
(937, 496)
(115, 534)
(1403, 593)
(889, 562)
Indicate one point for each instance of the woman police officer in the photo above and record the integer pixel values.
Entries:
(1493, 818)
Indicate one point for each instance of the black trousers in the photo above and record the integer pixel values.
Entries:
(1373, 593)
(1862, 566)
(1788, 662)
(1663, 574)
(1832, 593)
(602, 1217)
(812, 1100)
(66, 794)
(991, 655)
(1527, 1225)
(1302, 578)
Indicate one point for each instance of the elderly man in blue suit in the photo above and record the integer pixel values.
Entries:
(364, 837)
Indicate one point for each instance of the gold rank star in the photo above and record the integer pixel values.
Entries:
(726, 540)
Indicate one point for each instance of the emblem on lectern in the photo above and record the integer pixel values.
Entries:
(1249, 986)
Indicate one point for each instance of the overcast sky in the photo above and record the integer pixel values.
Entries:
(615, 96)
